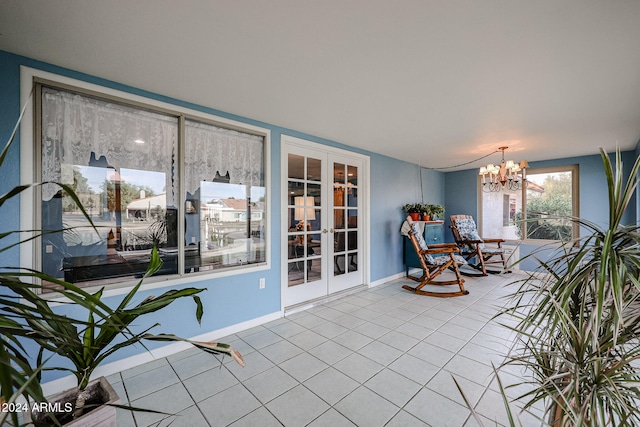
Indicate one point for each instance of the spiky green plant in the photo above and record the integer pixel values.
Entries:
(17, 376)
(25, 315)
(579, 319)
(87, 343)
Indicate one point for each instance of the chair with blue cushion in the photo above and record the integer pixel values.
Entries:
(465, 233)
(434, 259)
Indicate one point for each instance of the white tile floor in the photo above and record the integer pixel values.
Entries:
(380, 357)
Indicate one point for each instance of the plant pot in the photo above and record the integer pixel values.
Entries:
(426, 217)
(99, 392)
(415, 216)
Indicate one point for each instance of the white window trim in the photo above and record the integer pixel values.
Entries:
(28, 257)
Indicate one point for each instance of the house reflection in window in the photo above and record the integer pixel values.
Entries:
(231, 224)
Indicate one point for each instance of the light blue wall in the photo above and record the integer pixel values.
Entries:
(233, 299)
(433, 191)
(398, 184)
(461, 189)
(462, 194)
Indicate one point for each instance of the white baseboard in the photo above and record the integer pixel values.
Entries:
(386, 279)
(69, 382)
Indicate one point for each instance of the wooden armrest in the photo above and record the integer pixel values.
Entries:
(493, 240)
(443, 250)
(472, 241)
(443, 245)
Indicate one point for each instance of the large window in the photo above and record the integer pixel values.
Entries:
(225, 214)
(541, 211)
(147, 178)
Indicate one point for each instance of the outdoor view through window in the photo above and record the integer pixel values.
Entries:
(549, 200)
(122, 162)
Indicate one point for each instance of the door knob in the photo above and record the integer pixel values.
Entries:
(332, 230)
(325, 231)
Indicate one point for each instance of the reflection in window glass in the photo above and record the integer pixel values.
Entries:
(549, 198)
(122, 162)
(549, 205)
(499, 214)
(118, 161)
(226, 217)
(304, 215)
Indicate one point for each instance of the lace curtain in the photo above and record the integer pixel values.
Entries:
(210, 149)
(79, 130)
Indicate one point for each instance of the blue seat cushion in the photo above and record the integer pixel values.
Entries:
(468, 231)
(429, 259)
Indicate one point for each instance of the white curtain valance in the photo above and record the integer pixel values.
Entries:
(82, 130)
(211, 149)
(77, 129)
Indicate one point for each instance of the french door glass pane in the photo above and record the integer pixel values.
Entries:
(304, 219)
(353, 261)
(352, 240)
(338, 267)
(296, 166)
(314, 169)
(345, 217)
(338, 219)
(339, 175)
(352, 174)
(339, 241)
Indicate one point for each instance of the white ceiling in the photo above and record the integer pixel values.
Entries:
(433, 82)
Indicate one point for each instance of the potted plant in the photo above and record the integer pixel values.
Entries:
(25, 315)
(413, 210)
(424, 211)
(436, 211)
(18, 378)
(578, 319)
(86, 344)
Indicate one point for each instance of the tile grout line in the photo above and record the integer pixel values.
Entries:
(343, 307)
(189, 391)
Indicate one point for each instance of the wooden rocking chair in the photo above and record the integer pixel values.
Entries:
(433, 266)
(465, 233)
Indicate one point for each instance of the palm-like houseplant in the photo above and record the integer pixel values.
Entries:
(578, 319)
(87, 343)
(17, 375)
(25, 315)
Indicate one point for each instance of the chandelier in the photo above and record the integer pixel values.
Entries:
(508, 175)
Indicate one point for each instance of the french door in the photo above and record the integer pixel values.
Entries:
(323, 235)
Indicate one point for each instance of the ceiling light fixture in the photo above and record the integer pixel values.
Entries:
(508, 175)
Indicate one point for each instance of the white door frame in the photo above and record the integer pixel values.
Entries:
(364, 177)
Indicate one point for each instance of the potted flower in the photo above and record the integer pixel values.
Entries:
(413, 210)
(425, 210)
(435, 211)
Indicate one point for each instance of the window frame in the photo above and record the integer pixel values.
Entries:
(30, 171)
(574, 169)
